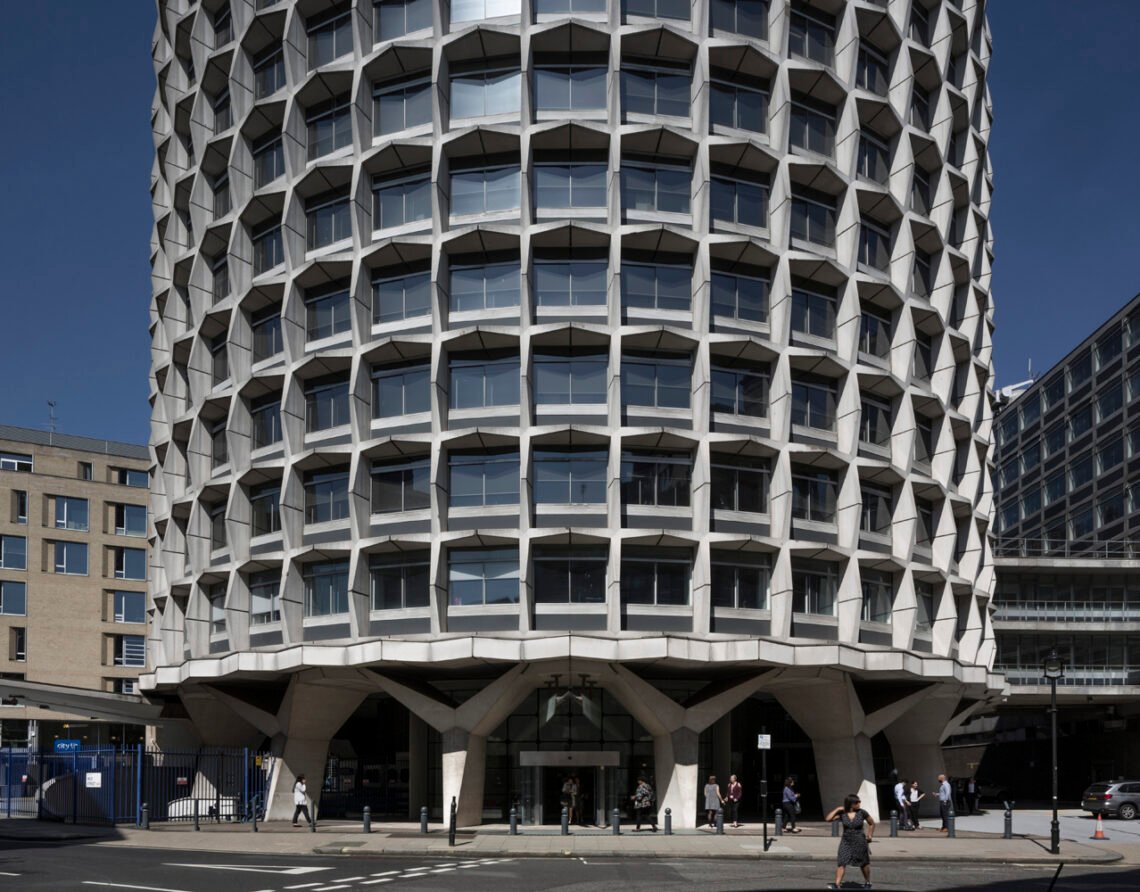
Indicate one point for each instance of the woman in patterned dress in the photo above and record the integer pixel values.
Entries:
(858, 831)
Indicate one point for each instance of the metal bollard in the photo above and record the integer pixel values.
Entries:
(255, 817)
(313, 821)
(835, 828)
(145, 819)
(950, 834)
(894, 823)
(1007, 833)
(196, 827)
(668, 822)
(615, 822)
(778, 822)
(720, 822)
(423, 819)
(514, 821)
(451, 824)
(367, 819)
(565, 821)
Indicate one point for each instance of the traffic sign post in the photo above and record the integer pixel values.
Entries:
(764, 743)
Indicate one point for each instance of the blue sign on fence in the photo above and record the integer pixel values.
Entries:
(67, 746)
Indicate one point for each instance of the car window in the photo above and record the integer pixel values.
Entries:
(1130, 788)
(1097, 788)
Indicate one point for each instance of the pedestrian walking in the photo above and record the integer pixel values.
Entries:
(916, 796)
(713, 799)
(300, 801)
(972, 794)
(643, 804)
(575, 798)
(945, 800)
(790, 805)
(732, 799)
(854, 848)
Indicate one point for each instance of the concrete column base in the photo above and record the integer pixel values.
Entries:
(464, 774)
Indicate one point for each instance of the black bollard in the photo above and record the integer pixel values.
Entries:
(668, 822)
(423, 819)
(196, 827)
(950, 834)
(615, 822)
(894, 823)
(367, 819)
(778, 822)
(835, 828)
(254, 810)
(451, 824)
(145, 817)
(565, 821)
(514, 821)
(720, 822)
(313, 820)
(1007, 833)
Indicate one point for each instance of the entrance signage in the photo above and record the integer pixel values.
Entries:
(94, 780)
(763, 741)
(67, 746)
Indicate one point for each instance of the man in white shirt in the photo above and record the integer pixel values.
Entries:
(901, 803)
(944, 794)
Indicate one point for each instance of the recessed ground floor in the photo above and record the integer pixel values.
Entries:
(575, 731)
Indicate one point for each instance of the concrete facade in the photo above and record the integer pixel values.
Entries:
(61, 622)
(652, 342)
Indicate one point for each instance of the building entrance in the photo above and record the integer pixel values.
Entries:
(589, 782)
(552, 736)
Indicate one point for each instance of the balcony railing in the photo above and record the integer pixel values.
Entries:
(1066, 611)
(1120, 549)
(1075, 676)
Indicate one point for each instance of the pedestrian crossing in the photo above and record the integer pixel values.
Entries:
(386, 877)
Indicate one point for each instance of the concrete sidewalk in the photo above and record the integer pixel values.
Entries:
(404, 839)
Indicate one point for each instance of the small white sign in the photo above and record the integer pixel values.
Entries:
(94, 780)
(763, 741)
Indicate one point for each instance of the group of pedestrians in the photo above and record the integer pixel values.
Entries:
(908, 796)
(729, 800)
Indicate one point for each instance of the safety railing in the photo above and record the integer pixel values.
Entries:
(1117, 549)
(1066, 611)
(1075, 676)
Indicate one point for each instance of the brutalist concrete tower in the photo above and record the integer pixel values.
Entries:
(630, 359)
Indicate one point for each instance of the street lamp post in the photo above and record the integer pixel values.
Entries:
(1054, 669)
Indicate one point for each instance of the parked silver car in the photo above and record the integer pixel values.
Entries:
(1120, 799)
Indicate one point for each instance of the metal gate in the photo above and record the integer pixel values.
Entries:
(109, 786)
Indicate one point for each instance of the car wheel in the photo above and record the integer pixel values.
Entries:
(1127, 811)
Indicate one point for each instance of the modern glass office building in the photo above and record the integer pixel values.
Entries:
(1068, 519)
(550, 385)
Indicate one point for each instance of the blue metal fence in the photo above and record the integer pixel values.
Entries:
(110, 786)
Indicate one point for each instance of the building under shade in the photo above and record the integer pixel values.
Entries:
(564, 385)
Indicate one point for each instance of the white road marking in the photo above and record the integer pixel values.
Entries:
(256, 868)
(303, 886)
(4, 873)
(386, 873)
(374, 882)
(347, 879)
(125, 886)
(443, 870)
(331, 888)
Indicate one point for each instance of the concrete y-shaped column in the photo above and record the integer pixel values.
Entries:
(916, 738)
(464, 729)
(676, 730)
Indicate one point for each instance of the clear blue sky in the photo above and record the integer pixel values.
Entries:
(77, 86)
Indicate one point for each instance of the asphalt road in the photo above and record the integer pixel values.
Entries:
(90, 868)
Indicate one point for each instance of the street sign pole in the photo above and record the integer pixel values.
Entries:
(764, 743)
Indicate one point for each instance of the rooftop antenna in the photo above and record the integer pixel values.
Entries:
(51, 417)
